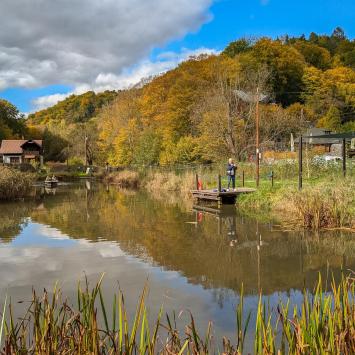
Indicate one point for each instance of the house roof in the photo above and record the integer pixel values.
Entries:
(346, 135)
(14, 146)
(318, 136)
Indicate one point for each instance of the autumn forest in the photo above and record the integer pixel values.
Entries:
(204, 109)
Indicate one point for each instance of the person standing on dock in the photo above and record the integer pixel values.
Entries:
(231, 170)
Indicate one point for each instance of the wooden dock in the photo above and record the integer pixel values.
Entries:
(223, 197)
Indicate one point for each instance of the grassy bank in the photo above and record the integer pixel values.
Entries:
(323, 204)
(322, 323)
(14, 184)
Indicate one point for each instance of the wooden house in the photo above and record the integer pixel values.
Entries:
(21, 151)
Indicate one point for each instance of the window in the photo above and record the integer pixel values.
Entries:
(14, 160)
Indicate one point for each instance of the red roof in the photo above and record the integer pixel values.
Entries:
(14, 146)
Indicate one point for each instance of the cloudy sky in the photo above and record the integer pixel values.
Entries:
(49, 49)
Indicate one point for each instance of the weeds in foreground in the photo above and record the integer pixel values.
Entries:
(322, 323)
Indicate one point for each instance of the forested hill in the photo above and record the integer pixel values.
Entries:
(198, 111)
(74, 109)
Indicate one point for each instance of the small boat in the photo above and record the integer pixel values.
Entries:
(51, 181)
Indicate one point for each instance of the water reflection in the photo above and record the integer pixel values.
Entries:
(197, 259)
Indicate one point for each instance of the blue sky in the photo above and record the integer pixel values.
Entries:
(212, 27)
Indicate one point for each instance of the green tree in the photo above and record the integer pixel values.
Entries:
(315, 55)
(240, 46)
(285, 64)
(332, 120)
(11, 121)
(148, 148)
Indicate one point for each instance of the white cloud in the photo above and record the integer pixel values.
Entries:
(87, 42)
(128, 77)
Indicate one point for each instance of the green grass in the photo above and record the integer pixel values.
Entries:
(324, 323)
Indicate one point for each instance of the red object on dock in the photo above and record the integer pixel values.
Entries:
(199, 185)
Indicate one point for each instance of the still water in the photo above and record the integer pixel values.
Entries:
(192, 259)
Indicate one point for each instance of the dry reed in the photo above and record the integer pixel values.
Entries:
(14, 184)
(125, 179)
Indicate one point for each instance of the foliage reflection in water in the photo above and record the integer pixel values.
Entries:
(196, 259)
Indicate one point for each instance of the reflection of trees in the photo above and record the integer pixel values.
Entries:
(200, 251)
(13, 219)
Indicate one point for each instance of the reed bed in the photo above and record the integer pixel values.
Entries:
(125, 178)
(325, 205)
(324, 323)
(169, 182)
(14, 184)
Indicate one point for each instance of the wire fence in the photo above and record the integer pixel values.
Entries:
(273, 174)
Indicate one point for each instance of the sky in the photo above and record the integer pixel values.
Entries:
(51, 49)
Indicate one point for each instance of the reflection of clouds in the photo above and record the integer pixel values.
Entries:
(49, 232)
(105, 248)
(32, 258)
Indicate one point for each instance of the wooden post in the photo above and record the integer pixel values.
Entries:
(86, 151)
(219, 183)
(196, 181)
(257, 137)
(243, 178)
(300, 163)
(344, 157)
(272, 178)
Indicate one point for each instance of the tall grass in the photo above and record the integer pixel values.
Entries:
(325, 204)
(324, 323)
(14, 184)
(159, 182)
(124, 178)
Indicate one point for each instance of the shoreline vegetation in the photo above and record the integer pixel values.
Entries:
(15, 184)
(323, 320)
(327, 202)
(324, 204)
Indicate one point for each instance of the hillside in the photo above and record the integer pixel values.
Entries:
(74, 109)
(197, 113)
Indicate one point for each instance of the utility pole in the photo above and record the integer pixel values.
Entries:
(300, 161)
(344, 156)
(257, 138)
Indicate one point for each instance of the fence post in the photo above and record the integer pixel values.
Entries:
(243, 178)
(300, 158)
(272, 178)
(219, 183)
(344, 157)
(196, 181)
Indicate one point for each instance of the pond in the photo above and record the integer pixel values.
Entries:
(193, 258)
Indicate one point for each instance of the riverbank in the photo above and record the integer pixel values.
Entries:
(321, 205)
(324, 203)
(15, 184)
(322, 321)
